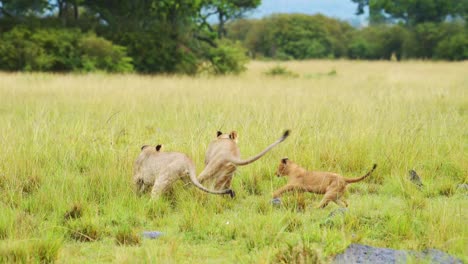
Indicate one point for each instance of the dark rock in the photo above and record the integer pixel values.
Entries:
(276, 201)
(151, 234)
(357, 253)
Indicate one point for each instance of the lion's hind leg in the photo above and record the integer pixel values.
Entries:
(161, 185)
(330, 196)
(223, 182)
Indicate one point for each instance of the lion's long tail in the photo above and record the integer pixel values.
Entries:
(193, 178)
(352, 180)
(240, 162)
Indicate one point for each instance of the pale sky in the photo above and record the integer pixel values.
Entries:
(342, 9)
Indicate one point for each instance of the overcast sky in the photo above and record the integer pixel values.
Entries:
(342, 9)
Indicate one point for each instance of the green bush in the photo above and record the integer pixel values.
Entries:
(360, 48)
(151, 52)
(453, 48)
(281, 71)
(60, 50)
(228, 57)
(100, 54)
(126, 237)
(379, 42)
(34, 250)
(18, 52)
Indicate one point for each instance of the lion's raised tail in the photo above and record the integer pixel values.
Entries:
(352, 180)
(239, 162)
(193, 178)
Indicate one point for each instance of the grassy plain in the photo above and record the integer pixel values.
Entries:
(69, 141)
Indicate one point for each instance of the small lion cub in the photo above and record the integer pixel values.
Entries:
(328, 183)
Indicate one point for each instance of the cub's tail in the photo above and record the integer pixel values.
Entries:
(352, 180)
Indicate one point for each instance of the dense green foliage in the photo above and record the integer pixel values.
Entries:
(299, 36)
(60, 50)
(413, 12)
(167, 36)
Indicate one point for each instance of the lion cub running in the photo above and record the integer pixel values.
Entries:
(328, 183)
(159, 170)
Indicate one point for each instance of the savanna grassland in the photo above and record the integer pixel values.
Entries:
(68, 143)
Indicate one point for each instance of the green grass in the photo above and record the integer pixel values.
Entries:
(69, 142)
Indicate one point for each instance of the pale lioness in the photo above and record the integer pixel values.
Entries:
(223, 156)
(158, 170)
(299, 179)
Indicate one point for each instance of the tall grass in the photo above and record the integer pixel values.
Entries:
(70, 140)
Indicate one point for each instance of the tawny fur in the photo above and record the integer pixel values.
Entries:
(159, 170)
(223, 156)
(330, 184)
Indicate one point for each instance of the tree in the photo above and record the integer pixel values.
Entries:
(160, 35)
(16, 8)
(293, 36)
(413, 12)
(225, 10)
(375, 13)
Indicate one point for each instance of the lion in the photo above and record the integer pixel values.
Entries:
(223, 156)
(299, 179)
(159, 170)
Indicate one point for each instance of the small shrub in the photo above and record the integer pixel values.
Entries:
(298, 253)
(453, 48)
(158, 210)
(30, 184)
(295, 202)
(60, 50)
(292, 223)
(263, 206)
(7, 219)
(84, 231)
(281, 71)
(14, 253)
(47, 250)
(415, 202)
(447, 189)
(126, 237)
(100, 54)
(227, 58)
(253, 185)
(31, 251)
(74, 213)
(332, 72)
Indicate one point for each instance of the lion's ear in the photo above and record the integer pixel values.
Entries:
(158, 147)
(233, 135)
(219, 133)
(284, 160)
(144, 146)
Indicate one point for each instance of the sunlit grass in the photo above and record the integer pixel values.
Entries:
(71, 140)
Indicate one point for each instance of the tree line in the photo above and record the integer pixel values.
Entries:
(179, 36)
(298, 36)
